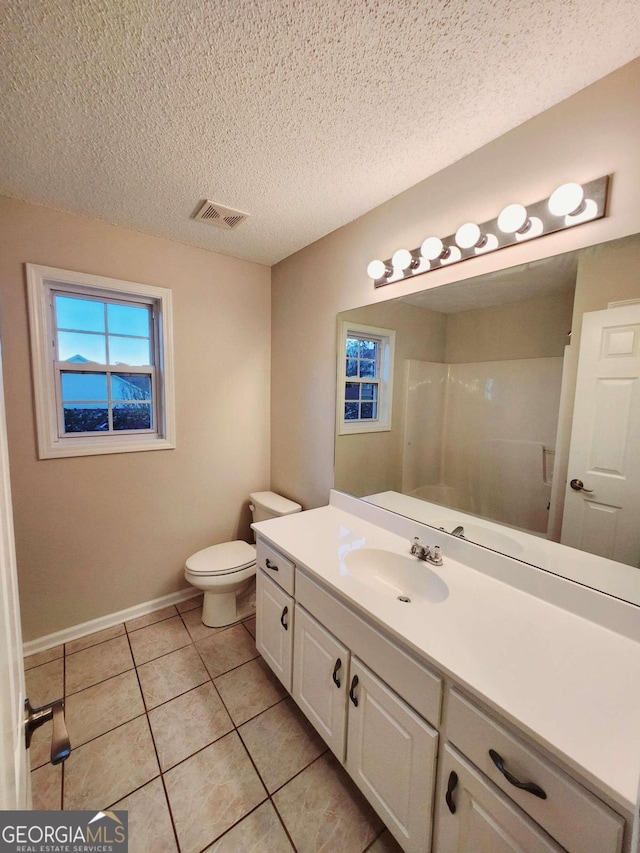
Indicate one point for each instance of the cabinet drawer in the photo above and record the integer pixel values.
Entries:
(275, 565)
(416, 684)
(577, 819)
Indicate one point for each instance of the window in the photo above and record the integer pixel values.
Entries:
(102, 360)
(365, 377)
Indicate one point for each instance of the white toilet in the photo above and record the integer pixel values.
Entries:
(225, 571)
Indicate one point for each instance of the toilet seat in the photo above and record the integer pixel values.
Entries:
(224, 559)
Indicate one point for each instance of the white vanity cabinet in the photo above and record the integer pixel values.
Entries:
(388, 750)
(321, 680)
(474, 817)
(391, 756)
(275, 580)
(570, 814)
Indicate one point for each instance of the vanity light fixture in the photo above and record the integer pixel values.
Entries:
(568, 205)
(378, 270)
(404, 260)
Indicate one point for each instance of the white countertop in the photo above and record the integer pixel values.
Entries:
(569, 683)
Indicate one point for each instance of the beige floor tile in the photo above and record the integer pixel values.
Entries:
(211, 791)
(385, 843)
(159, 639)
(190, 603)
(195, 626)
(226, 650)
(97, 663)
(150, 829)
(93, 639)
(45, 683)
(40, 749)
(281, 742)
(151, 618)
(249, 689)
(188, 723)
(110, 767)
(171, 675)
(250, 625)
(324, 811)
(46, 787)
(259, 832)
(44, 657)
(100, 708)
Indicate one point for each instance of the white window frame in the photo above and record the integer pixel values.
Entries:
(42, 283)
(387, 340)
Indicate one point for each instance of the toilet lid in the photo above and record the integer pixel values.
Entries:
(227, 557)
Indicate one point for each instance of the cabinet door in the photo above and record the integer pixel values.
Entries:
(320, 679)
(474, 817)
(274, 627)
(391, 756)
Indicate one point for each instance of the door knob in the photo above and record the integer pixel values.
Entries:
(578, 486)
(36, 717)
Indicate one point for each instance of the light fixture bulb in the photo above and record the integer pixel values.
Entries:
(433, 249)
(402, 260)
(535, 229)
(378, 269)
(513, 218)
(469, 236)
(566, 200)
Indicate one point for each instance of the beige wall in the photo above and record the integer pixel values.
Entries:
(593, 133)
(537, 328)
(98, 534)
(367, 463)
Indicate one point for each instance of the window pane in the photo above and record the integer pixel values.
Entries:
(369, 391)
(132, 416)
(75, 346)
(368, 411)
(86, 315)
(368, 369)
(352, 367)
(353, 347)
(350, 411)
(85, 417)
(352, 391)
(368, 349)
(128, 320)
(84, 386)
(129, 351)
(130, 386)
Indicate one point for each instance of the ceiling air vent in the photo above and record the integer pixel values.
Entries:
(218, 214)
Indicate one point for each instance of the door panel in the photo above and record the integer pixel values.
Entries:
(604, 439)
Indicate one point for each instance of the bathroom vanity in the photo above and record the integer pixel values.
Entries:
(480, 705)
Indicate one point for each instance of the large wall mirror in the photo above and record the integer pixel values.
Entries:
(505, 388)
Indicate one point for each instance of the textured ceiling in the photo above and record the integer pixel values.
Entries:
(303, 113)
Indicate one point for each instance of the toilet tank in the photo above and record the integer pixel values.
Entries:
(265, 505)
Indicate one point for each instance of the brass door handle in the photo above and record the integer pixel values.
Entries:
(36, 717)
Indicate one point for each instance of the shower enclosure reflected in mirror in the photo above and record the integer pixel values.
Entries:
(483, 422)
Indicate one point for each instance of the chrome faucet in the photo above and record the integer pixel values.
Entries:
(426, 552)
(458, 531)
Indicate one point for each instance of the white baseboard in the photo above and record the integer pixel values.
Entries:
(41, 644)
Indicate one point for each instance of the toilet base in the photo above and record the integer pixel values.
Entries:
(220, 609)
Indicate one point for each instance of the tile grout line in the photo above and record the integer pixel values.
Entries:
(155, 749)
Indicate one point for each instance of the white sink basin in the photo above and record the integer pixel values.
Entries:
(396, 575)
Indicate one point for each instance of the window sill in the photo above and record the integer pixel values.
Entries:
(356, 429)
(90, 447)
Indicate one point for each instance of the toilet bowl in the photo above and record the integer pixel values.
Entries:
(225, 571)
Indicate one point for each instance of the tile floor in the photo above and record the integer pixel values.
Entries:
(186, 728)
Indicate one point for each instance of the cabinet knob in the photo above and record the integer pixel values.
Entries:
(531, 787)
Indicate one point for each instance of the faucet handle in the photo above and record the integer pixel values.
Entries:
(435, 556)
